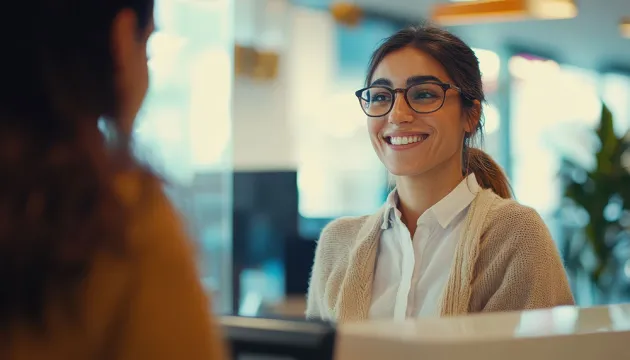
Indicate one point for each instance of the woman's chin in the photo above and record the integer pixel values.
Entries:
(405, 171)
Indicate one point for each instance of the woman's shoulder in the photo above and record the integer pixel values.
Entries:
(338, 236)
(522, 225)
(344, 226)
(518, 265)
(501, 210)
(510, 211)
(159, 261)
(136, 187)
(152, 220)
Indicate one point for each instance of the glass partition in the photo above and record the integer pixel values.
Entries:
(552, 106)
(184, 129)
(490, 66)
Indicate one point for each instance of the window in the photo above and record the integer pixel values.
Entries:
(183, 130)
(615, 89)
(338, 171)
(490, 66)
(552, 105)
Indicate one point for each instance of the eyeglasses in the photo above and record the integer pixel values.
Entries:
(423, 98)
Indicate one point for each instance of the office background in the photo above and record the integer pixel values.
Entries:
(252, 118)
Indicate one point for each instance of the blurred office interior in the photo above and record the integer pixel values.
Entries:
(252, 119)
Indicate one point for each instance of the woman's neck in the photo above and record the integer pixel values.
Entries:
(417, 194)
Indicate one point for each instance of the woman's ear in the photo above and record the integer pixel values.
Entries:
(473, 117)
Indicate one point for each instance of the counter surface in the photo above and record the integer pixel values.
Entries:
(563, 332)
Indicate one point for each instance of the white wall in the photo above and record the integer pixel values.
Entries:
(262, 138)
(307, 112)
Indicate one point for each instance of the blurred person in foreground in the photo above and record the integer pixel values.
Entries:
(94, 261)
(449, 240)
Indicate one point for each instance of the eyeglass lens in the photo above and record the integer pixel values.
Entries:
(423, 98)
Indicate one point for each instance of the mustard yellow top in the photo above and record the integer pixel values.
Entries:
(147, 304)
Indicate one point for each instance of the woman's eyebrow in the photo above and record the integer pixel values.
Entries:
(382, 81)
(421, 78)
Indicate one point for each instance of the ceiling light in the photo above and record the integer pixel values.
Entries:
(502, 10)
(346, 13)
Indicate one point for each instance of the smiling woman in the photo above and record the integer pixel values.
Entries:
(449, 240)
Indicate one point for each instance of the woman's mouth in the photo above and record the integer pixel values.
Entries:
(405, 141)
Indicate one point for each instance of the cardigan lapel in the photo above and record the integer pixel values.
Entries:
(356, 289)
(458, 290)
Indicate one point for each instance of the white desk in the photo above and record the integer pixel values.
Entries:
(569, 333)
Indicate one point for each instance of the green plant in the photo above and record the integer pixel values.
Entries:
(603, 193)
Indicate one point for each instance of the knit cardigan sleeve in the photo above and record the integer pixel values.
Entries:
(325, 257)
(315, 296)
(519, 266)
(330, 265)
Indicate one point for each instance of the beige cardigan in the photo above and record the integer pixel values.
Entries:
(148, 304)
(505, 260)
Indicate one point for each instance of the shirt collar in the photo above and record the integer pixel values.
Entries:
(391, 209)
(444, 210)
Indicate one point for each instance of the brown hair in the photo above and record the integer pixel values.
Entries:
(462, 65)
(488, 173)
(58, 206)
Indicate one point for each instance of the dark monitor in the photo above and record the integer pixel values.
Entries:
(253, 338)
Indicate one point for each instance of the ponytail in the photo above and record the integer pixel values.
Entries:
(488, 173)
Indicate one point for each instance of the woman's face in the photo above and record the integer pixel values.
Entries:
(409, 143)
(132, 72)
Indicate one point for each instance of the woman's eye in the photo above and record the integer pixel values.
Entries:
(424, 95)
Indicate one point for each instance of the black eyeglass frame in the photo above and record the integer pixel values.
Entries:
(445, 87)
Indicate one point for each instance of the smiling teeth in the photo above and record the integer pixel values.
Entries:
(404, 140)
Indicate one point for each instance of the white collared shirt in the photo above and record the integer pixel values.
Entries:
(411, 275)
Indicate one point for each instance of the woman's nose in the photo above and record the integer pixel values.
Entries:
(401, 112)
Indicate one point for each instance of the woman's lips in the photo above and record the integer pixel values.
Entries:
(403, 142)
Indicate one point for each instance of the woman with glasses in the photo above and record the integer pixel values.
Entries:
(449, 240)
(94, 261)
